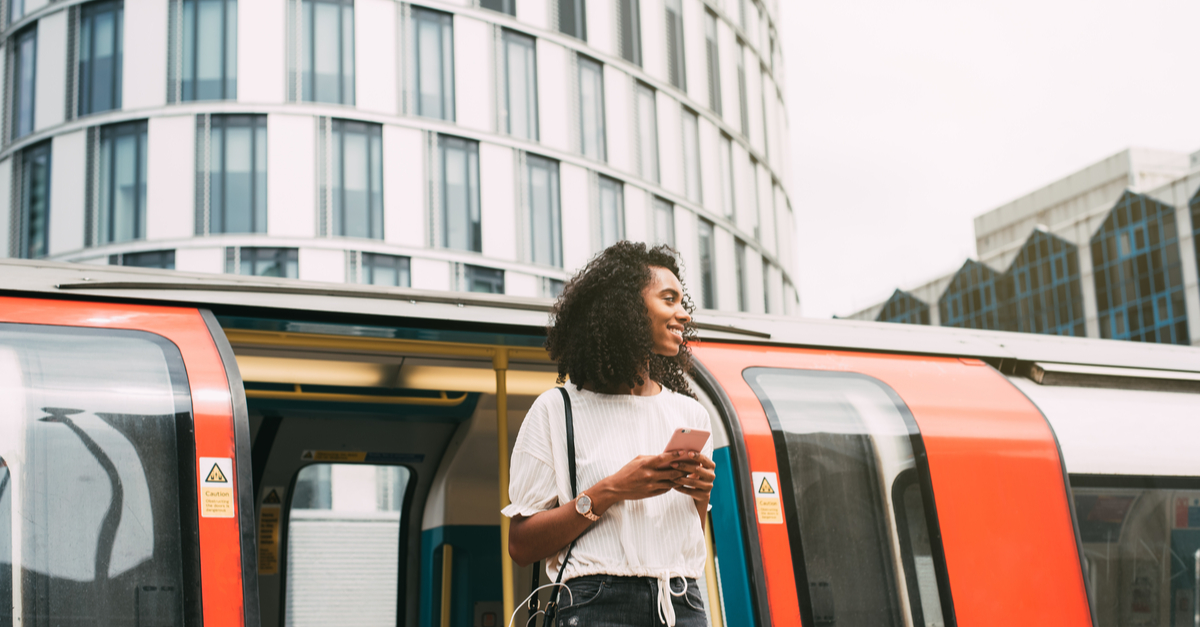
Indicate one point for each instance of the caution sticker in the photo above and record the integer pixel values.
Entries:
(216, 487)
(361, 456)
(268, 530)
(766, 498)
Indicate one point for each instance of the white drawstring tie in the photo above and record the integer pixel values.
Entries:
(666, 609)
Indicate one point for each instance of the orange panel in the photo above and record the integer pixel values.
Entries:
(997, 480)
(212, 411)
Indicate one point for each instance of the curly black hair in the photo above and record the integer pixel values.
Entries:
(599, 331)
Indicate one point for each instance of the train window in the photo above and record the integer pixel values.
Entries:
(1142, 551)
(862, 546)
(97, 487)
(344, 545)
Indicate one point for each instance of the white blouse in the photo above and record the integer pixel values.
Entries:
(656, 537)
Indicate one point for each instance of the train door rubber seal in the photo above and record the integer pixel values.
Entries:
(741, 477)
(245, 482)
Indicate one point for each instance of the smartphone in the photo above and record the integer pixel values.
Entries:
(687, 440)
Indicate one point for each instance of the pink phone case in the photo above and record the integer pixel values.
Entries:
(687, 440)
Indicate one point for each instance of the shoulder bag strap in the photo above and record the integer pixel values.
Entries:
(552, 606)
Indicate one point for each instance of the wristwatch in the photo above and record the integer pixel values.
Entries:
(583, 505)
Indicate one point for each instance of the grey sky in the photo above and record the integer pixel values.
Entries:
(910, 118)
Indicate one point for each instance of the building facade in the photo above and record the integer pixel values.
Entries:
(486, 145)
(1110, 251)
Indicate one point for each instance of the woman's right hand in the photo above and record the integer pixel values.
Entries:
(643, 477)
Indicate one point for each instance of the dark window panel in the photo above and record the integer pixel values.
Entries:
(433, 51)
(485, 280)
(904, 308)
(357, 179)
(274, 262)
(390, 270)
(34, 199)
(327, 51)
(100, 56)
(458, 189)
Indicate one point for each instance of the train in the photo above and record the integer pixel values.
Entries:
(189, 449)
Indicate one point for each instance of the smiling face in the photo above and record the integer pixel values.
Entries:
(664, 305)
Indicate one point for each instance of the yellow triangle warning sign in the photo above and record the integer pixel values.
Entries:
(272, 498)
(765, 488)
(216, 476)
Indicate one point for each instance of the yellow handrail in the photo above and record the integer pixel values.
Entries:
(299, 394)
(716, 611)
(447, 567)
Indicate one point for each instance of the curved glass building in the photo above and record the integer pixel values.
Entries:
(486, 145)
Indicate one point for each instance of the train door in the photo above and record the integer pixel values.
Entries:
(123, 473)
(377, 471)
(900, 490)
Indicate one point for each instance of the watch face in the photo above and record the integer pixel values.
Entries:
(584, 504)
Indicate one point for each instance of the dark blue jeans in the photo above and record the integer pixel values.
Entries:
(608, 601)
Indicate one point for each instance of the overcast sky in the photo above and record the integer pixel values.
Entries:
(908, 118)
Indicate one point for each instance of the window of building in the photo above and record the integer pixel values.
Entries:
(376, 269)
(545, 213)
(741, 13)
(231, 186)
(161, 259)
(631, 30)
(847, 443)
(202, 50)
(520, 86)
(325, 68)
(276, 262)
(101, 34)
(1046, 287)
(753, 20)
(352, 180)
(591, 109)
(458, 192)
(1195, 205)
(122, 189)
(714, 62)
(739, 261)
(725, 156)
(978, 297)
(1138, 273)
(433, 49)
(1140, 537)
(743, 98)
(484, 280)
(647, 128)
(16, 10)
(612, 211)
(504, 6)
(572, 18)
(708, 276)
(553, 288)
(346, 518)
(691, 155)
(24, 69)
(97, 472)
(33, 194)
(904, 308)
(663, 222)
(676, 71)
(766, 285)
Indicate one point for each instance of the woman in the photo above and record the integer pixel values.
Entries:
(620, 332)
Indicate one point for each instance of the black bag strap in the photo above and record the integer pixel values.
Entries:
(552, 605)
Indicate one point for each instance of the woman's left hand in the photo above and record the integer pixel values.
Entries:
(698, 480)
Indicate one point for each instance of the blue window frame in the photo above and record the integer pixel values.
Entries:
(24, 69)
(34, 194)
(1046, 287)
(100, 56)
(203, 51)
(976, 298)
(904, 308)
(327, 51)
(122, 192)
(1138, 273)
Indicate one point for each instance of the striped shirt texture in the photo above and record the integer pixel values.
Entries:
(656, 537)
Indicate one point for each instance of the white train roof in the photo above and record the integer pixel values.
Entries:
(32, 278)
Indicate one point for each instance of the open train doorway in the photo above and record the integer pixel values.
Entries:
(376, 475)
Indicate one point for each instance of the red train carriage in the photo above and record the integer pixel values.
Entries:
(184, 449)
